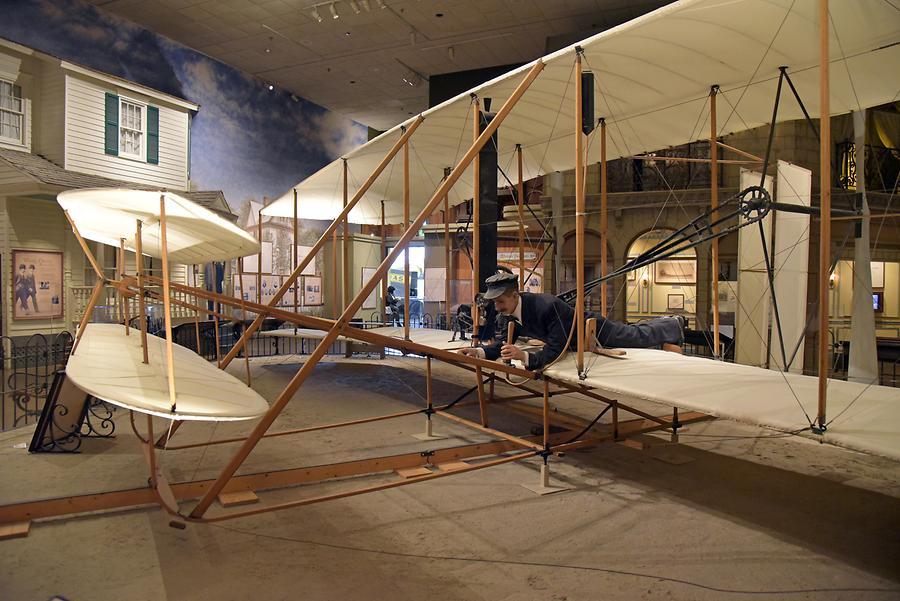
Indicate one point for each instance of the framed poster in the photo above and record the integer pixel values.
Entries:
(302, 252)
(270, 286)
(675, 302)
(37, 284)
(245, 287)
(288, 299)
(251, 262)
(675, 271)
(534, 280)
(371, 301)
(877, 274)
(312, 291)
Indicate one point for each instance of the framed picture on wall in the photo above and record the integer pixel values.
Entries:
(245, 287)
(251, 262)
(877, 274)
(371, 301)
(270, 286)
(675, 271)
(312, 291)
(37, 284)
(675, 302)
(288, 299)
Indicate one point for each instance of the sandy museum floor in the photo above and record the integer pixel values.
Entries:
(751, 514)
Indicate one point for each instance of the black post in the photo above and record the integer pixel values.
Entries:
(487, 184)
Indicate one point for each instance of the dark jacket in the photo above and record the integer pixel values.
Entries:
(545, 317)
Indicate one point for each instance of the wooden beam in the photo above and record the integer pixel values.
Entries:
(825, 209)
(259, 257)
(86, 317)
(406, 282)
(579, 218)
(447, 271)
(492, 431)
(345, 251)
(520, 191)
(123, 301)
(714, 203)
(296, 256)
(139, 263)
(604, 220)
(84, 248)
(167, 307)
(740, 152)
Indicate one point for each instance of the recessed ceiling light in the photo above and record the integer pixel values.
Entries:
(347, 33)
(268, 51)
(334, 12)
(270, 87)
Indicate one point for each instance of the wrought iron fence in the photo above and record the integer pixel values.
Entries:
(28, 365)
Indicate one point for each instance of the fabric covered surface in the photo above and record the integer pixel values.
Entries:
(866, 418)
(108, 364)
(652, 81)
(194, 234)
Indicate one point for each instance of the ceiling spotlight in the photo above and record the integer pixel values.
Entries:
(270, 87)
(334, 12)
(380, 4)
(354, 7)
(364, 4)
(315, 14)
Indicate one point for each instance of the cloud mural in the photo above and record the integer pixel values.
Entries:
(245, 140)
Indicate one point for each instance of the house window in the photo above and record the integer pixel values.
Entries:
(12, 116)
(131, 129)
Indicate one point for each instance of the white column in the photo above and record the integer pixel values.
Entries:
(863, 352)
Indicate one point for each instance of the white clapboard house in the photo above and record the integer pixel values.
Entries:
(64, 126)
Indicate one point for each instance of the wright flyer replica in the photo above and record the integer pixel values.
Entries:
(634, 89)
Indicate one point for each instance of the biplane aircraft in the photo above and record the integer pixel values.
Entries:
(652, 84)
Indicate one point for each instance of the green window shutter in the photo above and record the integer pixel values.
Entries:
(112, 124)
(153, 135)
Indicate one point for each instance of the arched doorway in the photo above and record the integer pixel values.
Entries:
(666, 287)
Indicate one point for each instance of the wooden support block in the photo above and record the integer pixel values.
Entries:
(241, 497)
(14, 530)
(632, 444)
(412, 472)
(452, 466)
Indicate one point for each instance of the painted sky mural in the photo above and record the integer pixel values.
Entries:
(246, 140)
